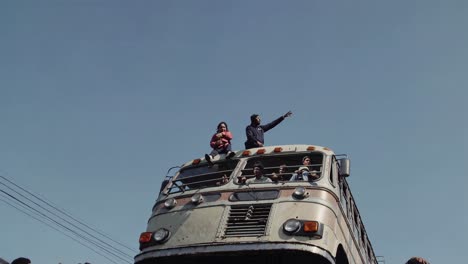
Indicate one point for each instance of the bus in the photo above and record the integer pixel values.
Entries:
(206, 213)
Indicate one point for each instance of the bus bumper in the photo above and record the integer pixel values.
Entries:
(235, 251)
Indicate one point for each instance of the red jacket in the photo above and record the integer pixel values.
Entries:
(223, 142)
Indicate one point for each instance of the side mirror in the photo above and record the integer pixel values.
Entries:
(345, 167)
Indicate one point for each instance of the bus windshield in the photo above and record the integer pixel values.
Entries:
(291, 163)
(202, 176)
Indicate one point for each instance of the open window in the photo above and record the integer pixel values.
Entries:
(203, 176)
(272, 165)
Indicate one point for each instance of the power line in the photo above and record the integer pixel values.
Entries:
(56, 229)
(105, 245)
(65, 227)
(101, 244)
(67, 214)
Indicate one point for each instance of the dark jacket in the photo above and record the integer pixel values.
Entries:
(255, 133)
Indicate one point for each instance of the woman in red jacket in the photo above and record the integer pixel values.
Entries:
(220, 142)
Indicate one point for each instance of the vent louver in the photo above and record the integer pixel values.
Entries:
(247, 220)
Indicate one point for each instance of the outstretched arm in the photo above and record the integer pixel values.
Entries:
(276, 121)
(288, 114)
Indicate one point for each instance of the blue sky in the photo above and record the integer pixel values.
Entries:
(99, 98)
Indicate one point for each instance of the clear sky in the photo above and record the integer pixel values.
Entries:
(99, 98)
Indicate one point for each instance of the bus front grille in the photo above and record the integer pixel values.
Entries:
(247, 220)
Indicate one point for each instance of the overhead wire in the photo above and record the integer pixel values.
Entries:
(72, 228)
(56, 229)
(107, 246)
(65, 227)
(62, 211)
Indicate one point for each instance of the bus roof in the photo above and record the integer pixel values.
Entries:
(277, 149)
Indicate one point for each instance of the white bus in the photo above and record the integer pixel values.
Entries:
(206, 214)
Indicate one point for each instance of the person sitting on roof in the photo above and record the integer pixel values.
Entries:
(220, 142)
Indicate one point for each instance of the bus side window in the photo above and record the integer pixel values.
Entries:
(333, 171)
(357, 224)
(351, 212)
(369, 252)
(344, 197)
(363, 238)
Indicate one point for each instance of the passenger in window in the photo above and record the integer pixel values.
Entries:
(223, 181)
(255, 131)
(241, 179)
(281, 172)
(258, 173)
(314, 175)
(221, 143)
(306, 161)
(302, 174)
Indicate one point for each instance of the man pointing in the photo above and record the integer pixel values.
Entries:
(255, 131)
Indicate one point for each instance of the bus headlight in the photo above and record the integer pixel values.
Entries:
(161, 235)
(197, 198)
(298, 227)
(300, 193)
(170, 203)
(291, 226)
(148, 239)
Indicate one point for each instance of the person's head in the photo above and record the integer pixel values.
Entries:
(255, 119)
(258, 169)
(417, 260)
(222, 126)
(306, 160)
(21, 261)
(282, 168)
